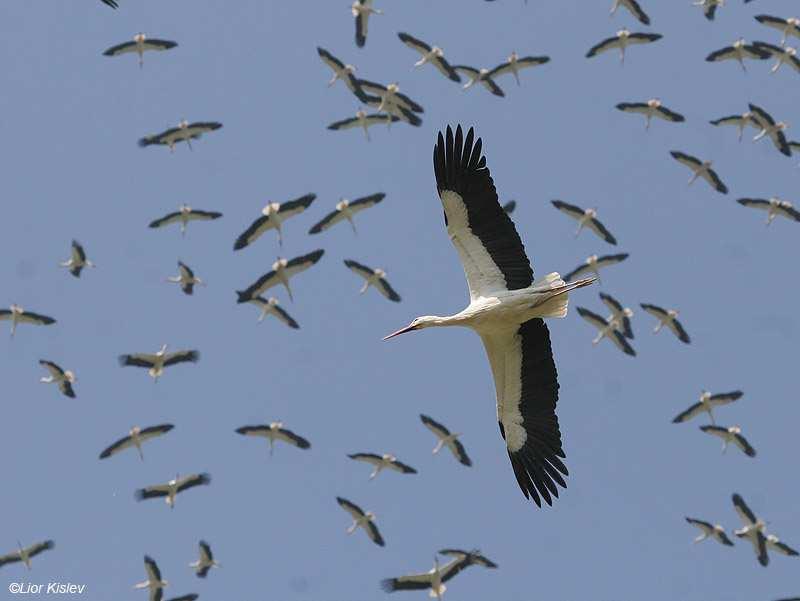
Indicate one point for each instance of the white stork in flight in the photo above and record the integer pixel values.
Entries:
(381, 462)
(272, 217)
(77, 260)
(622, 40)
(282, 270)
(140, 44)
(740, 121)
(136, 436)
(184, 132)
(346, 209)
(700, 169)
(753, 529)
(361, 519)
(389, 96)
(430, 55)
(709, 530)
(16, 315)
(170, 489)
(446, 439)
(154, 583)
(63, 378)
(275, 431)
(607, 328)
(634, 8)
(593, 264)
(514, 63)
(434, 579)
(506, 310)
(373, 277)
(773, 206)
(271, 306)
(622, 315)
(482, 76)
(784, 55)
(184, 215)
(186, 278)
(203, 565)
(585, 218)
(738, 51)
(732, 434)
(345, 73)
(361, 10)
(24, 554)
(709, 7)
(666, 317)
(651, 108)
(364, 121)
(787, 27)
(157, 362)
(769, 127)
(706, 404)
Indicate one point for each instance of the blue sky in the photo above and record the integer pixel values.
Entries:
(73, 170)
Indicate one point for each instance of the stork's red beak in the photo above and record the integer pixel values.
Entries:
(408, 328)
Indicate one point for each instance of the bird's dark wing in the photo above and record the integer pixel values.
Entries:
(249, 236)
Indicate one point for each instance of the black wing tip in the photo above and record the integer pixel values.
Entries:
(388, 585)
(139, 496)
(243, 296)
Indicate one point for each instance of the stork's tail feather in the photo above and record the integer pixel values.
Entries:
(555, 293)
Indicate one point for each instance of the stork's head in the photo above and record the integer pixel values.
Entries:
(380, 273)
(276, 425)
(361, 113)
(425, 321)
(370, 516)
(270, 208)
(623, 33)
(591, 259)
(139, 38)
(735, 430)
(16, 309)
(272, 301)
(184, 208)
(654, 103)
(280, 263)
(70, 377)
(135, 430)
(739, 43)
(342, 204)
(673, 313)
(393, 87)
(437, 51)
(389, 457)
(183, 124)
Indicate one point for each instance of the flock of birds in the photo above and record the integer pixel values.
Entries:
(507, 305)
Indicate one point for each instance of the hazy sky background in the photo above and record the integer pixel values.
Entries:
(70, 121)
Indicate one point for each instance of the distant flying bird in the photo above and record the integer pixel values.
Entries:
(740, 121)
(77, 260)
(481, 76)
(700, 169)
(786, 55)
(430, 54)
(272, 217)
(607, 329)
(206, 561)
(506, 310)
(390, 95)
(155, 363)
(667, 317)
(373, 277)
(787, 27)
(706, 404)
(154, 583)
(16, 315)
(140, 44)
(448, 439)
(634, 8)
(381, 462)
(769, 127)
(775, 544)
(514, 63)
(184, 215)
(282, 271)
(622, 40)
(732, 434)
(593, 264)
(346, 209)
(361, 10)
(651, 108)
(24, 554)
(773, 206)
(275, 431)
(361, 519)
(364, 121)
(135, 438)
(271, 306)
(170, 489)
(753, 529)
(510, 206)
(186, 278)
(345, 73)
(709, 530)
(434, 579)
(184, 132)
(709, 7)
(64, 379)
(586, 218)
(738, 51)
(622, 315)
